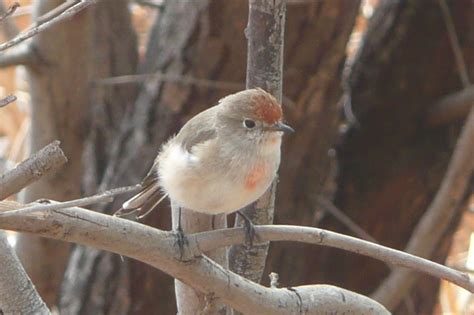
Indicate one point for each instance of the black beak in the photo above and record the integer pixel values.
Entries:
(279, 126)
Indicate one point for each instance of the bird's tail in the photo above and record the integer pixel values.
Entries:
(142, 203)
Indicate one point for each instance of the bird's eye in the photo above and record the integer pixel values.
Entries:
(249, 124)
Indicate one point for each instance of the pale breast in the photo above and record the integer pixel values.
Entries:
(190, 181)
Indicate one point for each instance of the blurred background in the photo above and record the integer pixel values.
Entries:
(363, 84)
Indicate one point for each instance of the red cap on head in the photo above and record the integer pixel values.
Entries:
(266, 107)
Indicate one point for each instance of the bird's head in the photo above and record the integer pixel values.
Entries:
(252, 114)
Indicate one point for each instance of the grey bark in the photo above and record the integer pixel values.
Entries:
(48, 160)
(265, 35)
(188, 300)
(17, 293)
(96, 282)
(60, 97)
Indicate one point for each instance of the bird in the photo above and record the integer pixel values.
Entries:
(221, 160)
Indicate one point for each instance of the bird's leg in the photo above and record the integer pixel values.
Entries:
(181, 239)
(249, 229)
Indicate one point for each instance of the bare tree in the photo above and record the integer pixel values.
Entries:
(195, 55)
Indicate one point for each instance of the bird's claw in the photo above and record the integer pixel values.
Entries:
(181, 240)
(249, 230)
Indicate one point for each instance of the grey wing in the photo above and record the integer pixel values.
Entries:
(199, 129)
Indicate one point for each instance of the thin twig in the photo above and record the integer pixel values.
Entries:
(47, 160)
(9, 12)
(344, 219)
(455, 46)
(47, 24)
(183, 79)
(7, 100)
(106, 196)
(56, 11)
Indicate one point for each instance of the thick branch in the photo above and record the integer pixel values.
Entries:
(157, 248)
(21, 55)
(17, 293)
(47, 160)
(188, 300)
(265, 36)
(437, 218)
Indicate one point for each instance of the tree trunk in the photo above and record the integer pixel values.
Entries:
(96, 282)
(60, 98)
(391, 162)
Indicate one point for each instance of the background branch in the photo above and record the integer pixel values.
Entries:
(440, 213)
(47, 160)
(47, 24)
(437, 217)
(7, 100)
(20, 55)
(6, 13)
(451, 107)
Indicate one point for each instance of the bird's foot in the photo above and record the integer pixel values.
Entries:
(249, 229)
(181, 241)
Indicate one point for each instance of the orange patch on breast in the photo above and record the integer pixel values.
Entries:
(255, 177)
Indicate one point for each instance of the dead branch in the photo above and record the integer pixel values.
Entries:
(158, 248)
(265, 37)
(310, 235)
(7, 100)
(169, 77)
(8, 26)
(56, 11)
(455, 46)
(7, 13)
(106, 196)
(36, 28)
(47, 160)
(434, 222)
(20, 55)
(17, 294)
